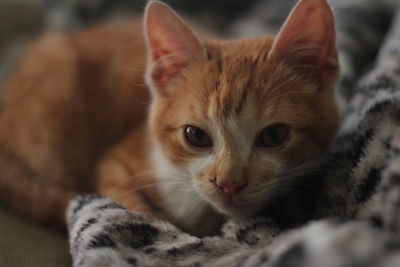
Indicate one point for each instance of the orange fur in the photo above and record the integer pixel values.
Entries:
(76, 115)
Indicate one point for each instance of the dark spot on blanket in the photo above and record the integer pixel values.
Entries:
(100, 241)
(354, 145)
(138, 234)
(394, 180)
(381, 82)
(368, 186)
(92, 221)
(293, 257)
(395, 152)
(376, 221)
(132, 261)
(387, 144)
(85, 226)
(144, 235)
(247, 236)
(380, 106)
(263, 259)
(110, 206)
(149, 250)
(197, 245)
(173, 252)
(83, 201)
(82, 261)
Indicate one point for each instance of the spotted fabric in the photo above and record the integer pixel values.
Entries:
(356, 217)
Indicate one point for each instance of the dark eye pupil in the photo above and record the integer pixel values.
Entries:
(199, 134)
(197, 137)
(273, 136)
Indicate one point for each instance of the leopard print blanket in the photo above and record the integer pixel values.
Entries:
(356, 218)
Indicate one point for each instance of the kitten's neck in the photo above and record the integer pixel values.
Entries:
(187, 209)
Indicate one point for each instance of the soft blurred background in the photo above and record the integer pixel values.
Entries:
(23, 243)
(22, 20)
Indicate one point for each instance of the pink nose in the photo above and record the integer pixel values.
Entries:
(230, 189)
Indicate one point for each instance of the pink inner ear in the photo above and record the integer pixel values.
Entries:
(308, 36)
(164, 68)
(172, 45)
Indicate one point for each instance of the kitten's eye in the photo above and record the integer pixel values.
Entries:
(273, 136)
(197, 137)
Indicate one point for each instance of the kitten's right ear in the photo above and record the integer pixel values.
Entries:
(171, 45)
(307, 39)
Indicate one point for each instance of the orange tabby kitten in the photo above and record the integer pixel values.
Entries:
(222, 122)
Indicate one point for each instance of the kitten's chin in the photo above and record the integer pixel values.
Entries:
(237, 211)
(231, 207)
(234, 207)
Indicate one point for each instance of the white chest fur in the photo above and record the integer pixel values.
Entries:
(186, 207)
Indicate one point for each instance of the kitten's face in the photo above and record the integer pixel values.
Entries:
(253, 118)
(232, 117)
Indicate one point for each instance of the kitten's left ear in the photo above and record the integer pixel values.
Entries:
(171, 45)
(307, 39)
